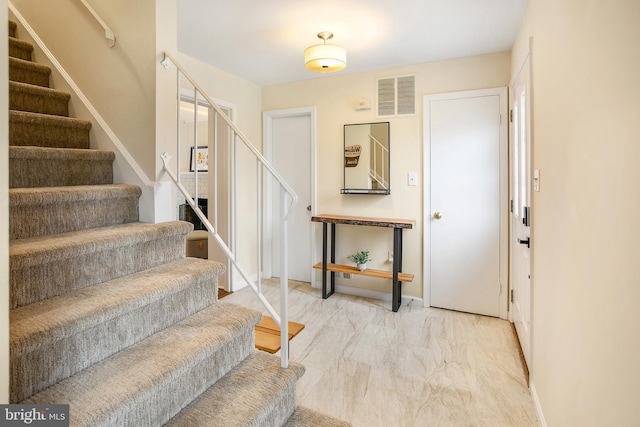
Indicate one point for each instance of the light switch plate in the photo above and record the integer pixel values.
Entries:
(412, 179)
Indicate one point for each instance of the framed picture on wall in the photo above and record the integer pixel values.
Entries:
(199, 159)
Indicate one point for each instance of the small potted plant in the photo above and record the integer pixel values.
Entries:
(360, 258)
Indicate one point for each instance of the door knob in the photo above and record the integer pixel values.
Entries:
(309, 208)
(437, 215)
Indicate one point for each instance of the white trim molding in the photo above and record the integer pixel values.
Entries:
(267, 148)
(537, 405)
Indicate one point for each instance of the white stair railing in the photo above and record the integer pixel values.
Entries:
(379, 158)
(108, 33)
(287, 200)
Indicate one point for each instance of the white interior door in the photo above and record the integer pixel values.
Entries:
(289, 147)
(463, 207)
(520, 214)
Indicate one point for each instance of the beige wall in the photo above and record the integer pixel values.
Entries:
(335, 98)
(165, 34)
(119, 81)
(227, 87)
(585, 229)
(4, 211)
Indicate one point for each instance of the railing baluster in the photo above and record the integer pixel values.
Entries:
(259, 223)
(284, 283)
(178, 128)
(230, 248)
(234, 195)
(214, 171)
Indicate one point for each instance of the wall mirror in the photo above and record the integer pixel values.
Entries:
(366, 158)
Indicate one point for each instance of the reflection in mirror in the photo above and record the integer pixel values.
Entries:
(366, 158)
(194, 129)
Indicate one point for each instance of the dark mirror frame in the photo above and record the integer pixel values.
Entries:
(351, 157)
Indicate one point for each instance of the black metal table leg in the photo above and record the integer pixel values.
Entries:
(326, 294)
(396, 295)
(333, 258)
(400, 246)
(324, 260)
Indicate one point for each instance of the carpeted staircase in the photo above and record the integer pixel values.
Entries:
(107, 314)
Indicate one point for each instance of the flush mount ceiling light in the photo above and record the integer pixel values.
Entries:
(325, 58)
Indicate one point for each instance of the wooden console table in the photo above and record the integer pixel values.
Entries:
(396, 276)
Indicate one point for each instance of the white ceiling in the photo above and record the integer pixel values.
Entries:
(263, 40)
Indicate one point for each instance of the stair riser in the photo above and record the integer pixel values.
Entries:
(34, 283)
(277, 413)
(29, 173)
(46, 219)
(12, 29)
(33, 221)
(167, 399)
(24, 73)
(43, 103)
(97, 343)
(42, 133)
(20, 50)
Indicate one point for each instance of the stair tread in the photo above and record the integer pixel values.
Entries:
(305, 417)
(242, 397)
(132, 377)
(50, 153)
(69, 194)
(23, 63)
(267, 334)
(34, 167)
(267, 342)
(23, 43)
(20, 49)
(40, 118)
(38, 90)
(269, 325)
(21, 70)
(45, 130)
(43, 249)
(39, 324)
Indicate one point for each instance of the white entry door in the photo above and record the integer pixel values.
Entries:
(520, 212)
(464, 224)
(289, 146)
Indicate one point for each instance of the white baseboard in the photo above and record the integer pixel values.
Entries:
(536, 403)
(368, 293)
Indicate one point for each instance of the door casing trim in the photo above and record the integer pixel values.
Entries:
(267, 150)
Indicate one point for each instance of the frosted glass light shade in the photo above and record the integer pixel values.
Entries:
(325, 58)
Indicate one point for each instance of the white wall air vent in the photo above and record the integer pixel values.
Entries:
(396, 96)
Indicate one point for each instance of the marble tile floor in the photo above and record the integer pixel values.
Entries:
(417, 367)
